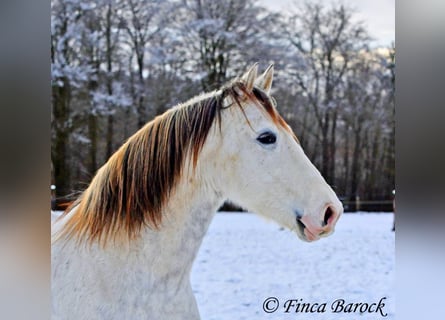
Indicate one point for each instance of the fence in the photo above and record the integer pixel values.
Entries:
(348, 205)
(367, 205)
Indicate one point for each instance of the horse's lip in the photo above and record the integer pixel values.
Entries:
(304, 232)
(310, 236)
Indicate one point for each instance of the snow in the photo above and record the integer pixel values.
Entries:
(245, 259)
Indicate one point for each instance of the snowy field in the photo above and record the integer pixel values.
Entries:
(245, 259)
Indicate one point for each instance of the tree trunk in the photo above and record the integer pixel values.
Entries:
(61, 101)
(109, 54)
(141, 112)
(372, 166)
(92, 134)
(110, 126)
(61, 170)
(333, 149)
(344, 186)
(133, 97)
(326, 157)
(142, 117)
(355, 162)
(367, 165)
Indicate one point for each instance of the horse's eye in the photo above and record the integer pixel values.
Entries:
(267, 138)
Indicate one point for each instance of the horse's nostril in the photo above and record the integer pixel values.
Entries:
(299, 214)
(327, 215)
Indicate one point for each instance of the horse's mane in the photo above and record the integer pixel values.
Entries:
(130, 190)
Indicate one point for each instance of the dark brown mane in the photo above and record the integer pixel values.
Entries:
(130, 190)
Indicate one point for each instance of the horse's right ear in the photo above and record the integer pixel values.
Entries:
(265, 80)
(250, 76)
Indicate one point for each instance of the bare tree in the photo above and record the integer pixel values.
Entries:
(368, 115)
(143, 20)
(131, 60)
(68, 76)
(324, 40)
(224, 37)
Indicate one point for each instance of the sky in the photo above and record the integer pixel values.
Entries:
(377, 15)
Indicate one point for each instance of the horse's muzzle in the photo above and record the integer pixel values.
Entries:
(314, 230)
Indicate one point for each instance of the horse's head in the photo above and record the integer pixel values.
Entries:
(261, 165)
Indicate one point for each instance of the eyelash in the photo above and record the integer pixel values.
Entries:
(267, 138)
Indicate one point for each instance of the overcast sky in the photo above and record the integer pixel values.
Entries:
(378, 15)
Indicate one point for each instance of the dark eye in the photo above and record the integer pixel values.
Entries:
(267, 138)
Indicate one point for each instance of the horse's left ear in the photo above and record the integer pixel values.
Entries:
(250, 76)
(265, 80)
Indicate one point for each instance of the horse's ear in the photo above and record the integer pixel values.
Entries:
(250, 76)
(265, 80)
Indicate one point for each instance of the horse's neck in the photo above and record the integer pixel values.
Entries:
(186, 219)
(146, 275)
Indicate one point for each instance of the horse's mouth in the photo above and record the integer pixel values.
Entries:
(304, 233)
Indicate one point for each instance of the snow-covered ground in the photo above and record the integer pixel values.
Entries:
(245, 259)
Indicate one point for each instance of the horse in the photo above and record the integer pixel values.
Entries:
(125, 248)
